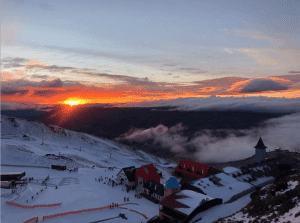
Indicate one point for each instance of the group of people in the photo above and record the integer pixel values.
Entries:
(126, 199)
(113, 205)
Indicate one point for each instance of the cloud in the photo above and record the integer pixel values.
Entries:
(207, 146)
(294, 72)
(55, 83)
(262, 56)
(10, 91)
(260, 85)
(192, 70)
(10, 62)
(46, 93)
(255, 104)
(45, 6)
(169, 138)
(40, 76)
(228, 50)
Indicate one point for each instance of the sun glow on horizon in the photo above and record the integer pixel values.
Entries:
(74, 101)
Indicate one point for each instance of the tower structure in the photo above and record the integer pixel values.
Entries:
(260, 151)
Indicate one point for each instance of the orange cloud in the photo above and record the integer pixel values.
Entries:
(7, 75)
(35, 63)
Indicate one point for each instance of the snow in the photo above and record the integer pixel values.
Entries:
(222, 210)
(193, 200)
(223, 192)
(230, 169)
(76, 190)
(262, 180)
(291, 186)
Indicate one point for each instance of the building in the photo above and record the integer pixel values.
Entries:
(145, 173)
(260, 151)
(182, 206)
(221, 186)
(191, 170)
(126, 176)
(6, 184)
(58, 167)
(9, 176)
(153, 190)
(172, 186)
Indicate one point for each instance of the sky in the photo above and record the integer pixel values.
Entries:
(77, 52)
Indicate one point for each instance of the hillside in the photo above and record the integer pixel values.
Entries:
(27, 143)
(279, 202)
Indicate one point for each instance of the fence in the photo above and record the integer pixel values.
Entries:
(85, 211)
(33, 206)
(45, 180)
(32, 220)
(26, 166)
(139, 213)
(73, 212)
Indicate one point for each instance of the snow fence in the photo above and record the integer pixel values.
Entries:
(33, 206)
(138, 213)
(73, 212)
(32, 220)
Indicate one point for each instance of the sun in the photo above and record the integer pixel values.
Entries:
(71, 103)
(74, 101)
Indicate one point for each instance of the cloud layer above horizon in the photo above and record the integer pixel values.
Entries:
(144, 51)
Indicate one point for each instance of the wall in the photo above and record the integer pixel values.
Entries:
(260, 154)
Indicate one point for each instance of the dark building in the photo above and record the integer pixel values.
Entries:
(126, 176)
(153, 190)
(58, 167)
(9, 176)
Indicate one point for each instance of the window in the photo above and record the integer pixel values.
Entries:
(189, 170)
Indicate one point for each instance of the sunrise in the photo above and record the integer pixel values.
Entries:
(150, 111)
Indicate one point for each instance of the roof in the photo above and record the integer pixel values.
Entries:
(185, 201)
(172, 183)
(129, 172)
(11, 173)
(230, 169)
(222, 188)
(192, 168)
(260, 144)
(149, 169)
(155, 187)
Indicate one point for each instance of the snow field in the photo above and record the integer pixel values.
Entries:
(87, 194)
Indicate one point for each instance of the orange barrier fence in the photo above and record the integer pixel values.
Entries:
(85, 211)
(32, 220)
(33, 206)
(73, 212)
(139, 213)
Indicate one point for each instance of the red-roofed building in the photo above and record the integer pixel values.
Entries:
(193, 169)
(145, 173)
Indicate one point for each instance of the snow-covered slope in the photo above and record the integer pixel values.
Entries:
(26, 143)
